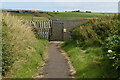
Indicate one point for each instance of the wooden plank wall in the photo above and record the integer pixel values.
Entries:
(43, 28)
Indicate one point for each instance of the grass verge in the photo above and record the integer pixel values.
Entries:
(89, 62)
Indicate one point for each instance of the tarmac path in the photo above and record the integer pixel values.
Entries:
(56, 66)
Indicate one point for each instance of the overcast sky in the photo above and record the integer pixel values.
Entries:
(63, 5)
(59, 0)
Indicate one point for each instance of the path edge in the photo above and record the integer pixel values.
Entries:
(40, 71)
(71, 68)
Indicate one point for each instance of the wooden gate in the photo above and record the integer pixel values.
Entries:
(56, 31)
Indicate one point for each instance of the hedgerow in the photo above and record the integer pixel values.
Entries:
(102, 32)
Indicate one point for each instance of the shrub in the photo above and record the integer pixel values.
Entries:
(113, 43)
(96, 30)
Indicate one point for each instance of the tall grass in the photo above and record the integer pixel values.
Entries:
(21, 49)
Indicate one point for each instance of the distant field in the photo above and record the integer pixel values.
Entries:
(66, 15)
(76, 15)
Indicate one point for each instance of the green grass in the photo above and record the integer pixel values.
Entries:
(21, 49)
(32, 63)
(90, 62)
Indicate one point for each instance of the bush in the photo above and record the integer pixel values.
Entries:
(96, 29)
(113, 43)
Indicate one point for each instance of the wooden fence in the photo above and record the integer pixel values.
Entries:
(43, 28)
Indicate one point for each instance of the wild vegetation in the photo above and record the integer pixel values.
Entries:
(94, 48)
(22, 52)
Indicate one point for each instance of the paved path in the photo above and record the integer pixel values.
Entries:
(56, 66)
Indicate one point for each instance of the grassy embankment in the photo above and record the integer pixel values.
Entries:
(88, 52)
(21, 49)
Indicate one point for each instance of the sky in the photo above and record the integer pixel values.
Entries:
(63, 5)
(59, 0)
